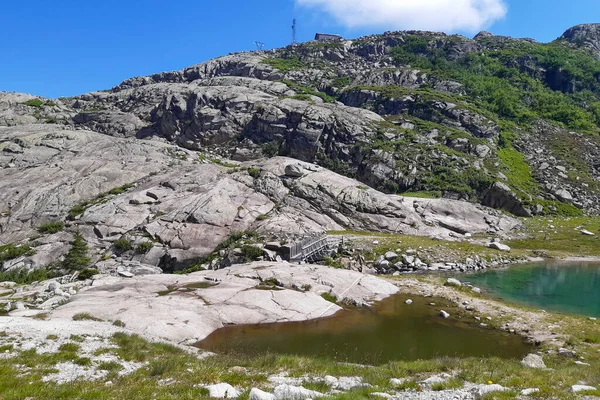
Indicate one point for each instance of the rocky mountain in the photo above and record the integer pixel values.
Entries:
(586, 36)
(312, 137)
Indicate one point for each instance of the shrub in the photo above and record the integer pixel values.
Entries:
(51, 227)
(144, 247)
(77, 259)
(254, 172)
(284, 64)
(122, 245)
(25, 277)
(120, 189)
(329, 297)
(34, 103)
(11, 251)
(87, 273)
(76, 211)
(271, 149)
(250, 253)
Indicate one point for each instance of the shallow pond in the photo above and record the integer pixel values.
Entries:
(553, 286)
(391, 330)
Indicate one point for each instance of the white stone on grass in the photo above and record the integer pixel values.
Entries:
(289, 392)
(485, 389)
(257, 394)
(222, 391)
(533, 361)
(453, 282)
(582, 388)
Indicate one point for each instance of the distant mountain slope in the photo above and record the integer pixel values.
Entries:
(509, 123)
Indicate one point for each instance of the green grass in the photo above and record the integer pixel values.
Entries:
(120, 189)
(423, 194)
(428, 249)
(85, 317)
(79, 209)
(169, 362)
(304, 92)
(517, 171)
(564, 240)
(34, 103)
(285, 64)
(329, 297)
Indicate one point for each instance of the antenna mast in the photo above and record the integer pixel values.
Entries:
(294, 31)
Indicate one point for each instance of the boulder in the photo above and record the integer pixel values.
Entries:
(295, 171)
(499, 246)
(222, 391)
(502, 197)
(582, 388)
(485, 389)
(444, 314)
(533, 361)
(257, 394)
(289, 392)
(453, 282)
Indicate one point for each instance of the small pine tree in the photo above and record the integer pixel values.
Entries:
(77, 259)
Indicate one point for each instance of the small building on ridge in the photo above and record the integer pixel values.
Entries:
(328, 36)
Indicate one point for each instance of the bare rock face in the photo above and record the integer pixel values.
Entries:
(189, 206)
(586, 36)
(153, 305)
(502, 197)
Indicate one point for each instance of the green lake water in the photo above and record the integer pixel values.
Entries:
(553, 286)
(391, 330)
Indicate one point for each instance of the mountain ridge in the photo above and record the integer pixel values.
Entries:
(366, 108)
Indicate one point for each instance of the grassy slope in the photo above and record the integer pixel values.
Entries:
(188, 372)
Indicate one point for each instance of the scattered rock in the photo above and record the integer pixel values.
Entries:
(257, 394)
(527, 392)
(222, 391)
(444, 314)
(454, 282)
(498, 246)
(289, 392)
(295, 170)
(485, 389)
(409, 302)
(533, 361)
(566, 352)
(582, 388)
(126, 274)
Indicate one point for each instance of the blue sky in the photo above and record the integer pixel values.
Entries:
(66, 47)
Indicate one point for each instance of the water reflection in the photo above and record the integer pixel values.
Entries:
(557, 286)
(391, 330)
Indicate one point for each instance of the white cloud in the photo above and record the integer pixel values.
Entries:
(435, 15)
